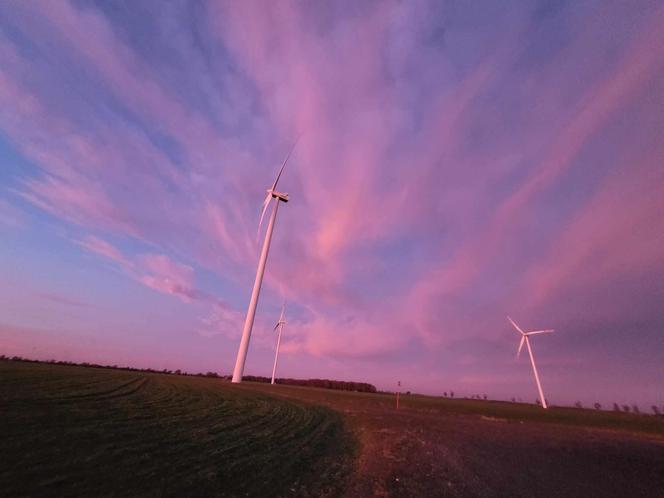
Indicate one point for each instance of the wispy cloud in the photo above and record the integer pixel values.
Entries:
(456, 162)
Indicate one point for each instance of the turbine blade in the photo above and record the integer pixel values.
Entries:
(274, 185)
(548, 331)
(283, 311)
(266, 203)
(515, 325)
(523, 339)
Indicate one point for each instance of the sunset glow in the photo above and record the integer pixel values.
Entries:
(456, 164)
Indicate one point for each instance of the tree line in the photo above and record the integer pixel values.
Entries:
(340, 385)
(324, 383)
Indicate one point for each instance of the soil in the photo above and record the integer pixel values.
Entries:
(423, 452)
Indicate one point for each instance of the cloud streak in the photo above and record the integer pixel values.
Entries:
(455, 163)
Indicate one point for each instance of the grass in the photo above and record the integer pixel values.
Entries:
(579, 417)
(582, 417)
(86, 431)
(69, 430)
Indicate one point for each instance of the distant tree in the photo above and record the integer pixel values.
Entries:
(513, 400)
(537, 401)
(451, 394)
(655, 410)
(635, 409)
(407, 393)
(626, 408)
(445, 394)
(616, 407)
(178, 372)
(598, 406)
(485, 397)
(578, 404)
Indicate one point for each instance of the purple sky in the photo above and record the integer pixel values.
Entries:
(458, 162)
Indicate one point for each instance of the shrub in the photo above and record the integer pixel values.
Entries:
(578, 405)
(626, 408)
(598, 406)
(655, 409)
(616, 408)
(635, 409)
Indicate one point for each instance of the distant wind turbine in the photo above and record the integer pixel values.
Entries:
(280, 326)
(525, 338)
(253, 302)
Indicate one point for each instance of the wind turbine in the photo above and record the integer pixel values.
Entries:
(525, 338)
(253, 302)
(280, 325)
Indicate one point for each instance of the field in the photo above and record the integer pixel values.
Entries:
(84, 431)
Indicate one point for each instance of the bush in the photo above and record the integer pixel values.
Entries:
(578, 405)
(598, 406)
(655, 410)
(626, 408)
(616, 407)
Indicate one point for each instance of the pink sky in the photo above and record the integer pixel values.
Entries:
(457, 163)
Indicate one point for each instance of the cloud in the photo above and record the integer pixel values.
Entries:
(60, 299)
(455, 162)
(106, 250)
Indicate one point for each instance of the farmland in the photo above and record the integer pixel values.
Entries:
(84, 431)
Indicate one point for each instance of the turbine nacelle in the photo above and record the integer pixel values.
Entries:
(278, 195)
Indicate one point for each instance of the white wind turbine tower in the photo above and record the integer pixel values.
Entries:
(253, 302)
(280, 325)
(525, 338)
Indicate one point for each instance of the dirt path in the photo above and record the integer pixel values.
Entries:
(423, 452)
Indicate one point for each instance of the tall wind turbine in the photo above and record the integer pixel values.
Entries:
(525, 338)
(276, 198)
(280, 325)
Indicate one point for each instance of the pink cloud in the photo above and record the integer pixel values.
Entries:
(168, 277)
(619, 232)
(427, 157)
(593, 112)
(105, 249)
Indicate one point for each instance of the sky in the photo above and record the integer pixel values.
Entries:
(457, 162)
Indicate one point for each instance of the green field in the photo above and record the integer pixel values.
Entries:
(77, 431)
(84, 431)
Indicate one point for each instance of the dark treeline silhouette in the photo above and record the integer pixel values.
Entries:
(340, 385)
(325, 383)
(112, 367)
